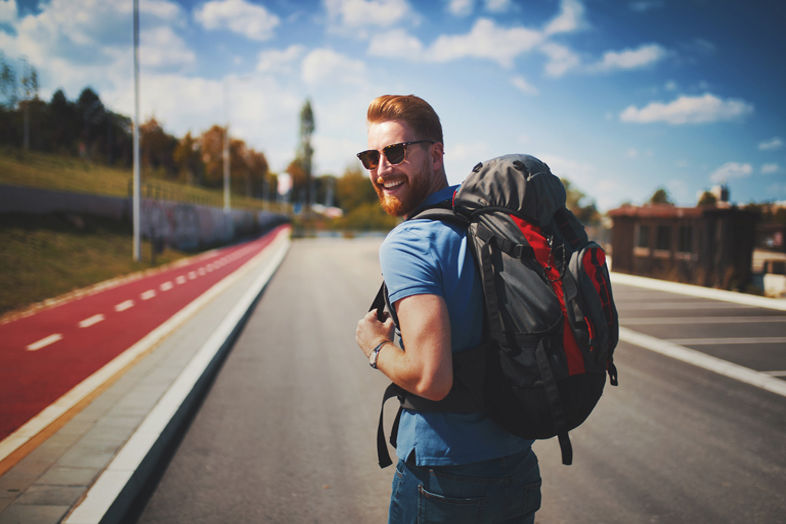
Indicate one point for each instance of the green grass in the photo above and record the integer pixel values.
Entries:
(66, 173)
(44, 256)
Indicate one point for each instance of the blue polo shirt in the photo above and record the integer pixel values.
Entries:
(432, 257)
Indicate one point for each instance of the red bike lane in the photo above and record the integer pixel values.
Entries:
(46, 354)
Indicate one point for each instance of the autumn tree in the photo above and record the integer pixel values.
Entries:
(187, 157)
(157, 148)
(580, 204)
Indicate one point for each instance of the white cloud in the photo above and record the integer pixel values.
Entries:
(569, 19)
(498, 6)
(768, 169)
(279, 60)
(396, 44)
(642, 6)
(160, 9)
(773, 144)
(522, 85)
(560, 59)
(7, 11)
(161, 47)
(325, 65)
(643, 56)
(362, 13)
(486, 40)
(252, 21)
(703, 109)
(731, 170)
(460, 7)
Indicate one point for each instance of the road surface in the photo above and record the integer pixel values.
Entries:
(286, 434)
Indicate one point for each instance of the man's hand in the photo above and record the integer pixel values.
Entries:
(370, 331)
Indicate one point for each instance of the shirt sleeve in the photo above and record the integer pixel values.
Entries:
(409, 261)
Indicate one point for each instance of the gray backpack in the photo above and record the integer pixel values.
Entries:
(551, 325)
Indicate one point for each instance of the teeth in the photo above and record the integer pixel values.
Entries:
(389, 184)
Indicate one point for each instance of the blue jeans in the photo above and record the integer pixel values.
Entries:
(503, 490)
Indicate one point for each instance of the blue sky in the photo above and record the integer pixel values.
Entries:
(620, 97)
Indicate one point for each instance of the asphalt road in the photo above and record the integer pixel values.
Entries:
(286, 433)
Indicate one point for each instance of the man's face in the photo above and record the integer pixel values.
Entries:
(401, 187)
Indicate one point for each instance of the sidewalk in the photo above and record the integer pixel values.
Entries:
(90, 468)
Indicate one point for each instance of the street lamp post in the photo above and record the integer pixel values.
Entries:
(137, 249)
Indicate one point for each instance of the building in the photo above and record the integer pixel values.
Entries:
(707, 245)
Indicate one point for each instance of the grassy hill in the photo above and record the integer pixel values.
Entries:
(45, 256)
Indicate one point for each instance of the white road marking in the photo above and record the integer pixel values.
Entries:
(775, 373)
(46, 341)
(109, 485)
(201, 271)
(166, 286)
(650, 321)
(702, 360)
(191, 275)
(730, 340)
(126, 304)
(181, 279)
(95, 319)
(147, 295)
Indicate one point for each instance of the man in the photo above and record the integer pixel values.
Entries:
(453, 467)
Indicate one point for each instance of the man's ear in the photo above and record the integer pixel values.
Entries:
(437, 156)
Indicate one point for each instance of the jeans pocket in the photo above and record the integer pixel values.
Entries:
(435, 508)
(524, 502)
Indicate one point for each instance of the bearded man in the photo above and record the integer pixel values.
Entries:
(452, 466)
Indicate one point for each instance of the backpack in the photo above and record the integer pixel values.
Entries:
(551, 325)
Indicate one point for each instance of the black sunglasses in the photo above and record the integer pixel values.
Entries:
(395, 153)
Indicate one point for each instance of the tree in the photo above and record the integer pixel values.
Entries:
(707, 199)
(305, 151)
(575, 200)
(661, 196)
(188, 159)
(211, 144)
(353, 190)
(157, 148)
(8, 87)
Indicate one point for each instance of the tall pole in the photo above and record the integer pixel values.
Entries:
(226, 150)
(135, 203)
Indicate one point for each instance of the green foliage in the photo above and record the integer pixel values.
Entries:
(661, 196)
(584, 209)
(368, 216)
(44, 256)
(707, 199)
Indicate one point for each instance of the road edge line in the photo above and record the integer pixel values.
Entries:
(110, 496)
(705, 361)
(699, 291)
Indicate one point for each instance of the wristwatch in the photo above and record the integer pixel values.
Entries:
(374, 355)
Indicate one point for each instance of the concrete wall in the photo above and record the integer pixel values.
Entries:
(184, 226)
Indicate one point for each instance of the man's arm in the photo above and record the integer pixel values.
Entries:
(426, 367)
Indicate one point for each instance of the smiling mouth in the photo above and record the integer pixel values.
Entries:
(390, 184)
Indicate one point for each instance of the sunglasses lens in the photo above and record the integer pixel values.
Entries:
(395, 153)
(370, 158)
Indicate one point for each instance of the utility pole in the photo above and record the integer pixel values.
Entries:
(137, 249)
(226, 150)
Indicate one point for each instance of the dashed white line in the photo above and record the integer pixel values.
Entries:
(95, 319)
(724, 341)
(191, 275)
(46, 341)
(181, 279)
(126, 304)
(147, 295)
(166, 286)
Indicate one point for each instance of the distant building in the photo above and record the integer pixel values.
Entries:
(708, 245)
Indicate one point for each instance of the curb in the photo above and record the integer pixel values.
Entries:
(112, 495)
